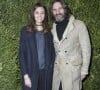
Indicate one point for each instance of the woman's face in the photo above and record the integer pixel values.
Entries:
(39, 15)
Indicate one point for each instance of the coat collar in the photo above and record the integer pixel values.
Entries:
(69, 28)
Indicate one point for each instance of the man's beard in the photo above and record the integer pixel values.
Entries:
(59, 17)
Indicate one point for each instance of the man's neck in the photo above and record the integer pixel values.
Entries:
(63, 21)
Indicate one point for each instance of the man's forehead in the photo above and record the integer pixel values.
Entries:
(57, 4)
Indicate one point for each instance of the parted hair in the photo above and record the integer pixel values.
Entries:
(31, 22)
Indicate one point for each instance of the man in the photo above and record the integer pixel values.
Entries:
(72, 46)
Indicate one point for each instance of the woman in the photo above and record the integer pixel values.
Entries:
(36, 55)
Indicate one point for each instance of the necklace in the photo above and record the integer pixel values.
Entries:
(38, 25)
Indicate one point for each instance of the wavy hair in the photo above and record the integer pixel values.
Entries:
(65, 7)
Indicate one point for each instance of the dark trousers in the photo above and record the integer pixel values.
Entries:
(60, 87)
(41, 80)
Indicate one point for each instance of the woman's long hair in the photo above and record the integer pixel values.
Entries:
(31, 23)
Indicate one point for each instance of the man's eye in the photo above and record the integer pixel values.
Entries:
(61, 8)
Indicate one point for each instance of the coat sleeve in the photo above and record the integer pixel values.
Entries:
(22, 60)
(85, 47)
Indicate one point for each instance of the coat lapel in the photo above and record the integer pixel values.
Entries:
(69, 28)
(55, 33)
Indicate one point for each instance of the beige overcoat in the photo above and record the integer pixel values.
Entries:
(72, 55)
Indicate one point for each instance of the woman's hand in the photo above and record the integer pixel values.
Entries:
(27, 81)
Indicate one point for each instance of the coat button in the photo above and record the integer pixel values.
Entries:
(66, 38)
(55, 63)
(65, 51)
(66, 63)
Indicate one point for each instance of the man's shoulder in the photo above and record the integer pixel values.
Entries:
(79, 22)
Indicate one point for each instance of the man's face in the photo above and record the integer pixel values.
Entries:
(58, 11)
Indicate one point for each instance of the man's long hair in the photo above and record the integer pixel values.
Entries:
(65, 7)
(31, 22)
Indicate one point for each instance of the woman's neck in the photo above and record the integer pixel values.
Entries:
(39, 27)
(38, 24)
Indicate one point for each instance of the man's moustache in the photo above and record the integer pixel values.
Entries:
(58, 14)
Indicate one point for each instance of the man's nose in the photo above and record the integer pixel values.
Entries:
(57, 11)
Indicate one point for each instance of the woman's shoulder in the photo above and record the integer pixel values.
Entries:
(49, 35)
(24, 29)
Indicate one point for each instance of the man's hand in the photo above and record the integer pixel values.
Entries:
(83, 77)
